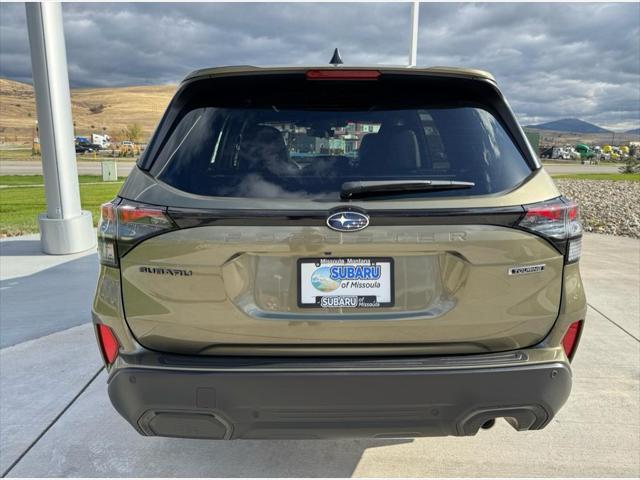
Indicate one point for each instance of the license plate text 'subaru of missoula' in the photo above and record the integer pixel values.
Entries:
(345, 282)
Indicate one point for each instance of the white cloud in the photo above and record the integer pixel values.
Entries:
(551, 60)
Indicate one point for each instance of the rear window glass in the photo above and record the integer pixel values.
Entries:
(309, 153)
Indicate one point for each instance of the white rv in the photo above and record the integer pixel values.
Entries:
(102, 140)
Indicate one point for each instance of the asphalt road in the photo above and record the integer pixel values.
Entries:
(28, 167)
(579, 168)
(85, 167)
(56, 419)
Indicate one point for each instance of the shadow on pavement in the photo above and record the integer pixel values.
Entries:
(271, 458)
(20, 248)
(51, 300)
(92, 440)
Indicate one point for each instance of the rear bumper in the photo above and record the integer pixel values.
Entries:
(335, 400)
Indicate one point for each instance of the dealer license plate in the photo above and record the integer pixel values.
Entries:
(345, 282)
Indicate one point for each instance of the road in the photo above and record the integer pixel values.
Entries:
(56, 419)
(30, 167)
(579, 168)
(85, 167)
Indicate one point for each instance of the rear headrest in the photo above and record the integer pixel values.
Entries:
(403, 146)
(393, 150)
(263, 148)
(370, 145)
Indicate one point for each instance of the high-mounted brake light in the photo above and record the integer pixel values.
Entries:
(124, 225)
(108, 343)
(558, 220)
(339, 74)
(571, 339)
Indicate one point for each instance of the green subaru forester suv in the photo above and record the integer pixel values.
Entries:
(338, 252)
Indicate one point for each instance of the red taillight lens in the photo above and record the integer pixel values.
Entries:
(553, 219)
(124, 225)
(571, 339)
(559, 221)
(546, 213)
(339, 74)
(108, 343)
(130, 213)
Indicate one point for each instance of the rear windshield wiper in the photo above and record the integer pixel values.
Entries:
(367, 188)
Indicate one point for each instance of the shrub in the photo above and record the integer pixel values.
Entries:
(632, 165)
(96, 108)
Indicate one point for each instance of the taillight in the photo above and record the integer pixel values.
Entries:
(107, 230)
(124, 225)
(558, 220)
(340, 74)
(571, 339)
(108, 343)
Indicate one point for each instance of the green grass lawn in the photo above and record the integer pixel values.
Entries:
(629, 177)
(36, 180)
(17, 154)
(21, 204)
(22, 197)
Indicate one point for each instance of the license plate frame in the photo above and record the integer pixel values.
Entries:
(364, 300)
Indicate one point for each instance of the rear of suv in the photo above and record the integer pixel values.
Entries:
(344, 252)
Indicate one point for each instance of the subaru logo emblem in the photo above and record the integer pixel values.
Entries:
(348, 221)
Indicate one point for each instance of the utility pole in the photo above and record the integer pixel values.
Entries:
(413, 47)
(64, 228)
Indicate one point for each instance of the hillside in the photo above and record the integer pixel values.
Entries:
(573, 125)
(114, 108)
(93, 109)
(635, 131)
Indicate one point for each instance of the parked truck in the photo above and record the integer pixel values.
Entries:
(586, 154)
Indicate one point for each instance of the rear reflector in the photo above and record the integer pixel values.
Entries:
(575, 250)
(339, 74)
(571, 339)
(108, 343)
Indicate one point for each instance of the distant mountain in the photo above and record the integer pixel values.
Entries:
(635, 131)
(573, 125)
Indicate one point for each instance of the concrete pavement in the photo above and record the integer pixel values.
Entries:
(38, 380)
(57, 421)
(25, 270)
(611, 272)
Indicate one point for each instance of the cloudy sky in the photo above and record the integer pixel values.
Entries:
(552, 60)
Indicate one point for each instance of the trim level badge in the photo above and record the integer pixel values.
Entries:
(526, 269)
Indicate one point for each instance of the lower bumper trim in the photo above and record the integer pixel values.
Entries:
(294, 404)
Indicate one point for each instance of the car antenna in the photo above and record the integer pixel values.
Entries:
(336, 59)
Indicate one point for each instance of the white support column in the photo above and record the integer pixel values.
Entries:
(413, 48)
(64, 228)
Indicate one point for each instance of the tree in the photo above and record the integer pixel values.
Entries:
(132, 133)
(632, 165)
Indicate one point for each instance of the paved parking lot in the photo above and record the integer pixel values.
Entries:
(56, 420)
